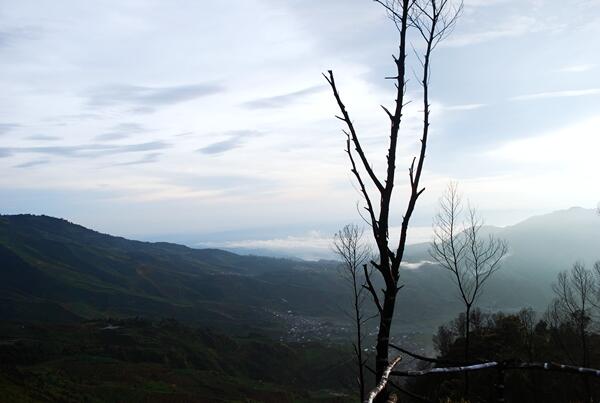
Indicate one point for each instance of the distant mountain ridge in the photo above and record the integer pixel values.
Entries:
(51, 269)
(549, 242)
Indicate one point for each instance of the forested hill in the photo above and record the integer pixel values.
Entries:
(54, 270)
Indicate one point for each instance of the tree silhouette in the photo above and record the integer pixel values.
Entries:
(432, 20)
(576, 296)
(462, 249)
(348, 244)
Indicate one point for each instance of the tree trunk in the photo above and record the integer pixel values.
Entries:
(499, 385)
(467, 340)
(359, 346)
(586, 381)
(383, 338)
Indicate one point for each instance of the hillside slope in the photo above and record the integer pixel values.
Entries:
(54, 270)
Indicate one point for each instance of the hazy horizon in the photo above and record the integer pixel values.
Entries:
(297, 242)
(314, 245)
(147, 119)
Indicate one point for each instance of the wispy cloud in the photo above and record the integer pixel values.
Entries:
(577, 68)
(87, 150)
(146, 99)
(9, 37)
(416, 265)
(111, 136)
(74, 117)
(279, 101)
(221, 146)
(7, 127)
(146, 159)
(121, 131)
(311, 246)
(465, 107)
(184, 134)
(236, 139)
(43, 137)
(224, 182)
(5, 38)
(514, 27)
(557, 94)
(484, 3)
(33, 163)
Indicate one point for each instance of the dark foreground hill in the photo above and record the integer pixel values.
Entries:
(142, 361)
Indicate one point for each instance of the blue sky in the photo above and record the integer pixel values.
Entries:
(153, 119)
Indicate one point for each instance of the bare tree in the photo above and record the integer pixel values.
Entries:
(460, 247)
(348, 244)
(576, 296)
(432, 20)
(527, 316)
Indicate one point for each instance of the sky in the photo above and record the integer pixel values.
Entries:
(210, 123)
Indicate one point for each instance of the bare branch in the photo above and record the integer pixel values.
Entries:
(354, 137)
(402, 390)
(426, 359)
(447, 370)
(364, 191)
(383, 381)
(546, 366)
(371, 289)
